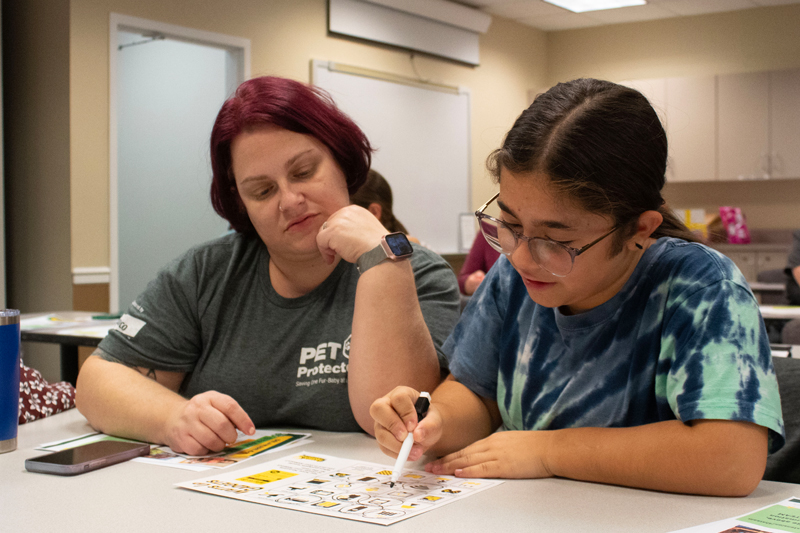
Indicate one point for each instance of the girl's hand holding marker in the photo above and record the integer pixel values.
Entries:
(421, 408)
(396, 418)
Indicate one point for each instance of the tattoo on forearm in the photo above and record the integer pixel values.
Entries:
(106, 356)
(147, 372)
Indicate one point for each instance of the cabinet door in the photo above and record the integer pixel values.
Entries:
(746, 261)
(771, 261)
(743, 129)
(785, 123)
(655, 90)
(691, 121)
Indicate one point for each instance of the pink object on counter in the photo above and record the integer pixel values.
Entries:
(735, 225)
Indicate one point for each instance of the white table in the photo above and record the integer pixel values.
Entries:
(76, 328)
(761, 286)
(780, 312)
(135, 497)
(785, 350)
(768, 292)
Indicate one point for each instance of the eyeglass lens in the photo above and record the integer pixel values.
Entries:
(549, 255)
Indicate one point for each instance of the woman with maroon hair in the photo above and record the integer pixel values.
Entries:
(302, 317)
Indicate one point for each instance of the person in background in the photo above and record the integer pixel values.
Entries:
(300, 318)
(480, 259)
(793, 270)
(38, 398)
(375, 195)
(608, 345)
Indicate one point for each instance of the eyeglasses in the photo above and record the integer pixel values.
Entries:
(554, 257)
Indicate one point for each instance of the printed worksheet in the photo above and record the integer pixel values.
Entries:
(88, 331)
(344, 488)
(245, 447)
(52, 321)
(781, 517)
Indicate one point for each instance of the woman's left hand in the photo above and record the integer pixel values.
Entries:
(349, 232)
(505, 454)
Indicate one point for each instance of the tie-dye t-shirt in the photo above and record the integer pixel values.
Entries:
(683, 339)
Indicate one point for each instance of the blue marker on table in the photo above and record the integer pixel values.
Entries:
(421, 407)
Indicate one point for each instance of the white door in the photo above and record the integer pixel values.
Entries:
(168, 93)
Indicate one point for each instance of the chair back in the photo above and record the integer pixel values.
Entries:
(790, 334)
(773, 276)
(784, 465)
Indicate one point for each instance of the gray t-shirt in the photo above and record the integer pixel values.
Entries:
(214, 314)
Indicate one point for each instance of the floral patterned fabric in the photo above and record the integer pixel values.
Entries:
(38, 398)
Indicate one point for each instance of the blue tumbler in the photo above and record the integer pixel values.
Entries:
(9, 379)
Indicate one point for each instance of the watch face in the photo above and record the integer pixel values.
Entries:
(398, 244)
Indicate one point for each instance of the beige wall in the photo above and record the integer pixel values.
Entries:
(285, 35)
(741, 41)
(37, 178)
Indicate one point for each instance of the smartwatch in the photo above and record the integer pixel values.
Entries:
(393, 247)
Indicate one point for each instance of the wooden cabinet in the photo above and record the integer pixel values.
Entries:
(655, 90)
(691, 128)
(754, 258)
(771, 260)
(730, 127)
(686, 107)
(784, 123)
(746, 261)
(743, 126)
(759, 125)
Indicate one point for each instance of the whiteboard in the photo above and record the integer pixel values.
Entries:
(422, 137)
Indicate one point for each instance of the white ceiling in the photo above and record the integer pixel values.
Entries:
(548, 17)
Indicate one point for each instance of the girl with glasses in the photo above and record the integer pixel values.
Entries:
(606, 344)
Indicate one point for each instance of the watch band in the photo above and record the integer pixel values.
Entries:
(370, 259)
(393, 247)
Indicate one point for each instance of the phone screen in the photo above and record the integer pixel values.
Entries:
(87, 457)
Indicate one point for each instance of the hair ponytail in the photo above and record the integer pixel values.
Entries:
(376, 190)
(672, 226)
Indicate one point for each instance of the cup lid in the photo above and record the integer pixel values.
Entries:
(9, 316)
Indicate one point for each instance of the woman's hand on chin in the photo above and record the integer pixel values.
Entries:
(349, 232)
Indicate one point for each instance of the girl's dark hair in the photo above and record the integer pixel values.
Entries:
(376, 190)
(600, 143)
(290, 105)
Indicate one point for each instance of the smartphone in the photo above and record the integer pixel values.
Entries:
(86, 458)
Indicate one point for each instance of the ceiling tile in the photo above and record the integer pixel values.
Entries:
(519, 9)
(478, 3)
(561, 22)
(775, 2)
(700, 7)
(631, 14)
(548, 17)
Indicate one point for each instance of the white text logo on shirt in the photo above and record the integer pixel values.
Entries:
(325, 358)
